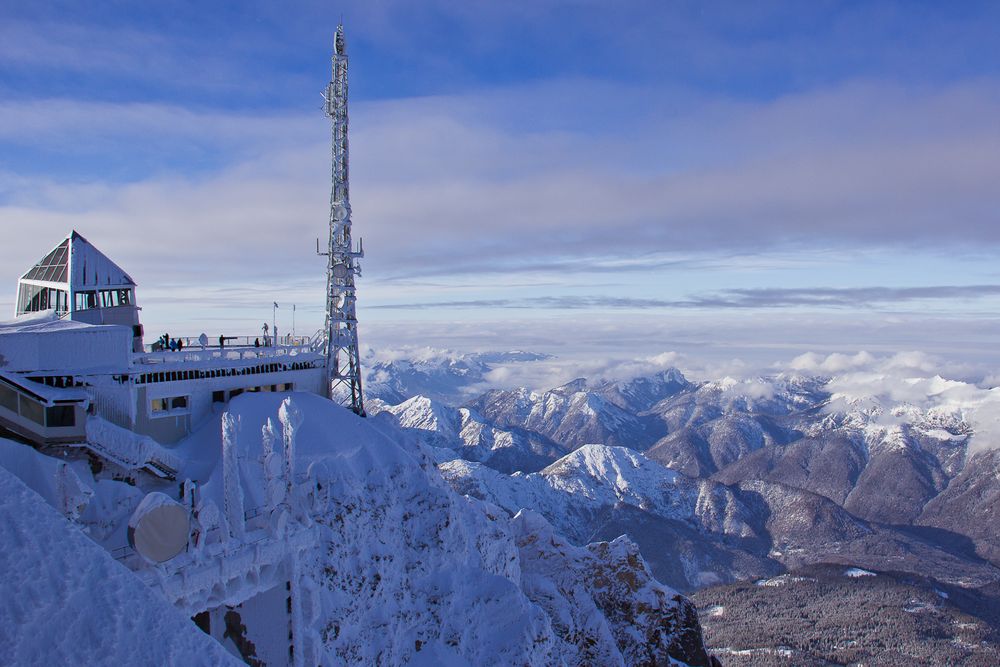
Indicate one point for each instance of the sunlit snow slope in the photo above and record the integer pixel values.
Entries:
(65, 601)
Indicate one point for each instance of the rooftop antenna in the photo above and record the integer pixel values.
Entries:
(340, 335)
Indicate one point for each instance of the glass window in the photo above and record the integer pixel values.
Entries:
(61, 300)
(164, 406)
(32, 410)
(112, 298)
(34, 298)
(60, 416)
(52, 268)
(8, 398)
(39, 298)
(86, 300)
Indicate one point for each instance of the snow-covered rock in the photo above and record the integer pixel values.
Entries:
(469, 435)
(605, 606)
(570, 416)
(642, 393)
(577, 489)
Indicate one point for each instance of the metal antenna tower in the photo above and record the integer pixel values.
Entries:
(340, 337)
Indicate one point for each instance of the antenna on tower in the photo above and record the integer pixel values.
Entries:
(340, 337)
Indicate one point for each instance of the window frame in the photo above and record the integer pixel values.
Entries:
(166, 406)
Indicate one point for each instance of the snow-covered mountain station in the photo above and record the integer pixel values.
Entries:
(78, 335)
(78, 384)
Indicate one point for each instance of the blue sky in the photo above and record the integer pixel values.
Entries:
(734, 181)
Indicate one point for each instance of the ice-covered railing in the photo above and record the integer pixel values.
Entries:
(189, 343)
(227, 353)
(128, 449)
(194, 342)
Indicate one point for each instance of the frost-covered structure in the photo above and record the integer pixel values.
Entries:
(317, 538)
(77, 280)
(340, 332)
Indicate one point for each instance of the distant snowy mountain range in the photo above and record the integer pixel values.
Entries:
(394, 376)
(885, 466)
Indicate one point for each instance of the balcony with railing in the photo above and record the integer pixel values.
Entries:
(199, 350)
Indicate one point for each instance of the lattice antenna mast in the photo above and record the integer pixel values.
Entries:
(340, 341)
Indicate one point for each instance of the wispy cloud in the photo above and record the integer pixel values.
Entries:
(823, 297)
(444, 184)
(438, 189)
(851, 297)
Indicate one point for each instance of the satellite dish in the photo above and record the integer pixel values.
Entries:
(340, 271)
(339, 212)
(159, 527)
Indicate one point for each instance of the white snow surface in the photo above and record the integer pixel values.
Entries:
(605, 604)
(66, 345)
(856, 572)
(65, 601)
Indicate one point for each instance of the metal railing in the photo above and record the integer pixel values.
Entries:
(193, 343)
(233, 353)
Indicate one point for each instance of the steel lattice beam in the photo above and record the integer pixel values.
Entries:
(343, 360)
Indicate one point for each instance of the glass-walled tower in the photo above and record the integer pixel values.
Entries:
(78, 281)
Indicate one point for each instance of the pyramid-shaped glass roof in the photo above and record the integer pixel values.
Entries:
(54, 267)
(76, 261)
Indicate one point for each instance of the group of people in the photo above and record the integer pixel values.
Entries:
(165, 342)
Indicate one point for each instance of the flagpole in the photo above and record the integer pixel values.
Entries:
(274, 321)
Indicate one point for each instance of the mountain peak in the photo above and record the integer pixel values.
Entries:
(572, 387)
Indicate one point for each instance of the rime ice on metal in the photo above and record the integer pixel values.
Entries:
(340, 337)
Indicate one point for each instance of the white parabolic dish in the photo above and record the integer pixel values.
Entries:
(158, 529)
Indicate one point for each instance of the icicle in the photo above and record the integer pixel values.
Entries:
(290, 418)
(273, 465)
(231, 476)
